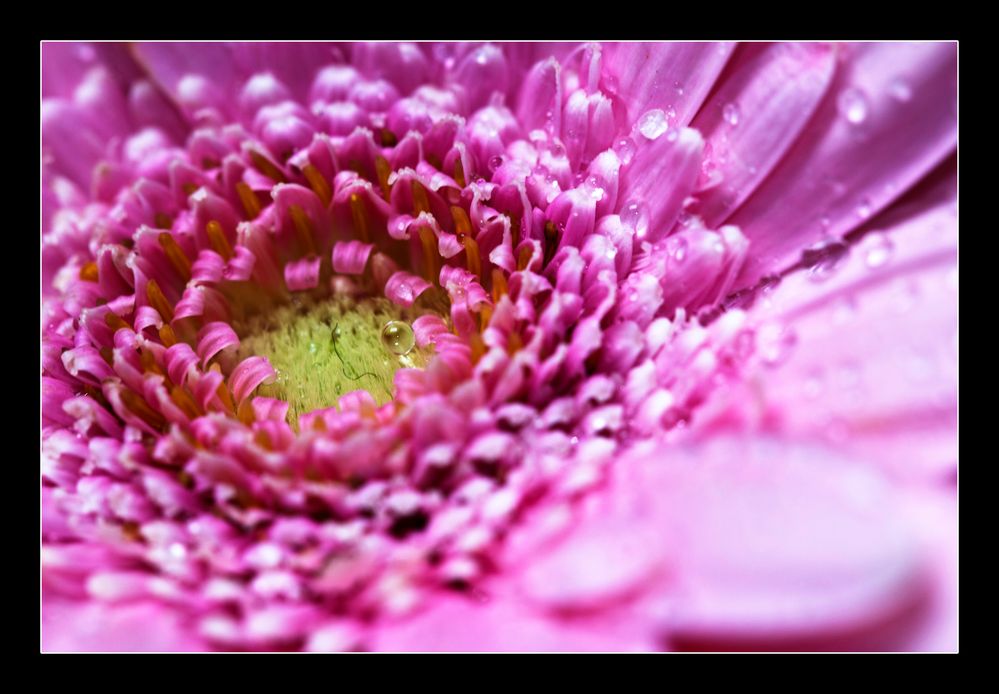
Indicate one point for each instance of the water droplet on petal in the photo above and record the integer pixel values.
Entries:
(625, 149)
(495, 163)
(879, 251)
(653, 123)
(680, 250)
(635, 217)
(852, 105)
(775, 343)
(899, 90)
(864, 209)
(730, 112)
(823, 259)
(398, 337)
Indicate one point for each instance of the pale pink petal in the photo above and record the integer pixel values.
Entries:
(93, 626)
(888, 118)
(657, 181)
(765, 98)
(673, 77)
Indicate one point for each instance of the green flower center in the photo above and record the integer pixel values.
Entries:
(322, 349)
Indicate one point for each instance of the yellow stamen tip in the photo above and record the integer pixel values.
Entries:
(88, 273)
(175, 254)
(251, 205)
(217, 239)
(360, 216)
(158, 301)
(318, 183)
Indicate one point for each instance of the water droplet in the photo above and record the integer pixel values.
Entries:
(879, 250)
(899, 90)
(625, 149)
(495, 163)
(775, 343)
(653, 123)
(823, 259)
(557, 149)
(398, 337)
(672, 134)
(852, 105)
(635, 217)
(864, 209)
(680, 250)
(730, 112)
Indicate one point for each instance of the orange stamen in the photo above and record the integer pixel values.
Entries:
(185, 402)
(216, 237)
(485, 315)
(472, 260)
(167, 336)
(459, 172)
(175, 254)
(303, 226)
(515, 228)
(420, 201)
(134, 402)
(359, 215)
(189, 188)
(388, 138)
(499, 285)
(434, 161)
(514, 343)
(162, 221)
(245, 413)
(430, 256)
(551, 238)
(462, 224)
(383, 169)
(223, 391)
(251, 205)
(149, 362)
(107, 354)
(88, 273)
(524, 257)
(318, 183)
(478, 347)
(264, 166)
(159, 302)
(115, 322)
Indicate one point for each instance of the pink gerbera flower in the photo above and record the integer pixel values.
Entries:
(499, 347)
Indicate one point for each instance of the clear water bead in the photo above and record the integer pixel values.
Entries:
(730, 112)
(879, 251)
(653, 123)
(853, 105)
(635, 216)
(625, 149)
(398, 337)
(899, 90)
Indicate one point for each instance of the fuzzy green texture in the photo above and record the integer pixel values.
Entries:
(316, 365)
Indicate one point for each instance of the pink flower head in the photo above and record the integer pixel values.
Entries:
(484, 347)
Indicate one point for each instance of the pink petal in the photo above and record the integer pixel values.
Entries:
(249, 374)
(350, 257)
(657, 181)
(772, 541)
(403, 288)
(91, 626)
(764, 99)
(213, 338)
(667, 76)
(889, 117)
(302, 274)
(867, 356)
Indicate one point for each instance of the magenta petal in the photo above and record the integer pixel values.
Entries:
(350, 257)
(765, 97)
(667, 76)
(540, 101)
(249, 374)
(303, 274)
(889, 117)
(403, 288)
(213, 338)
(657, 181)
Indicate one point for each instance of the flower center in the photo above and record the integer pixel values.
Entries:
(322, 349)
